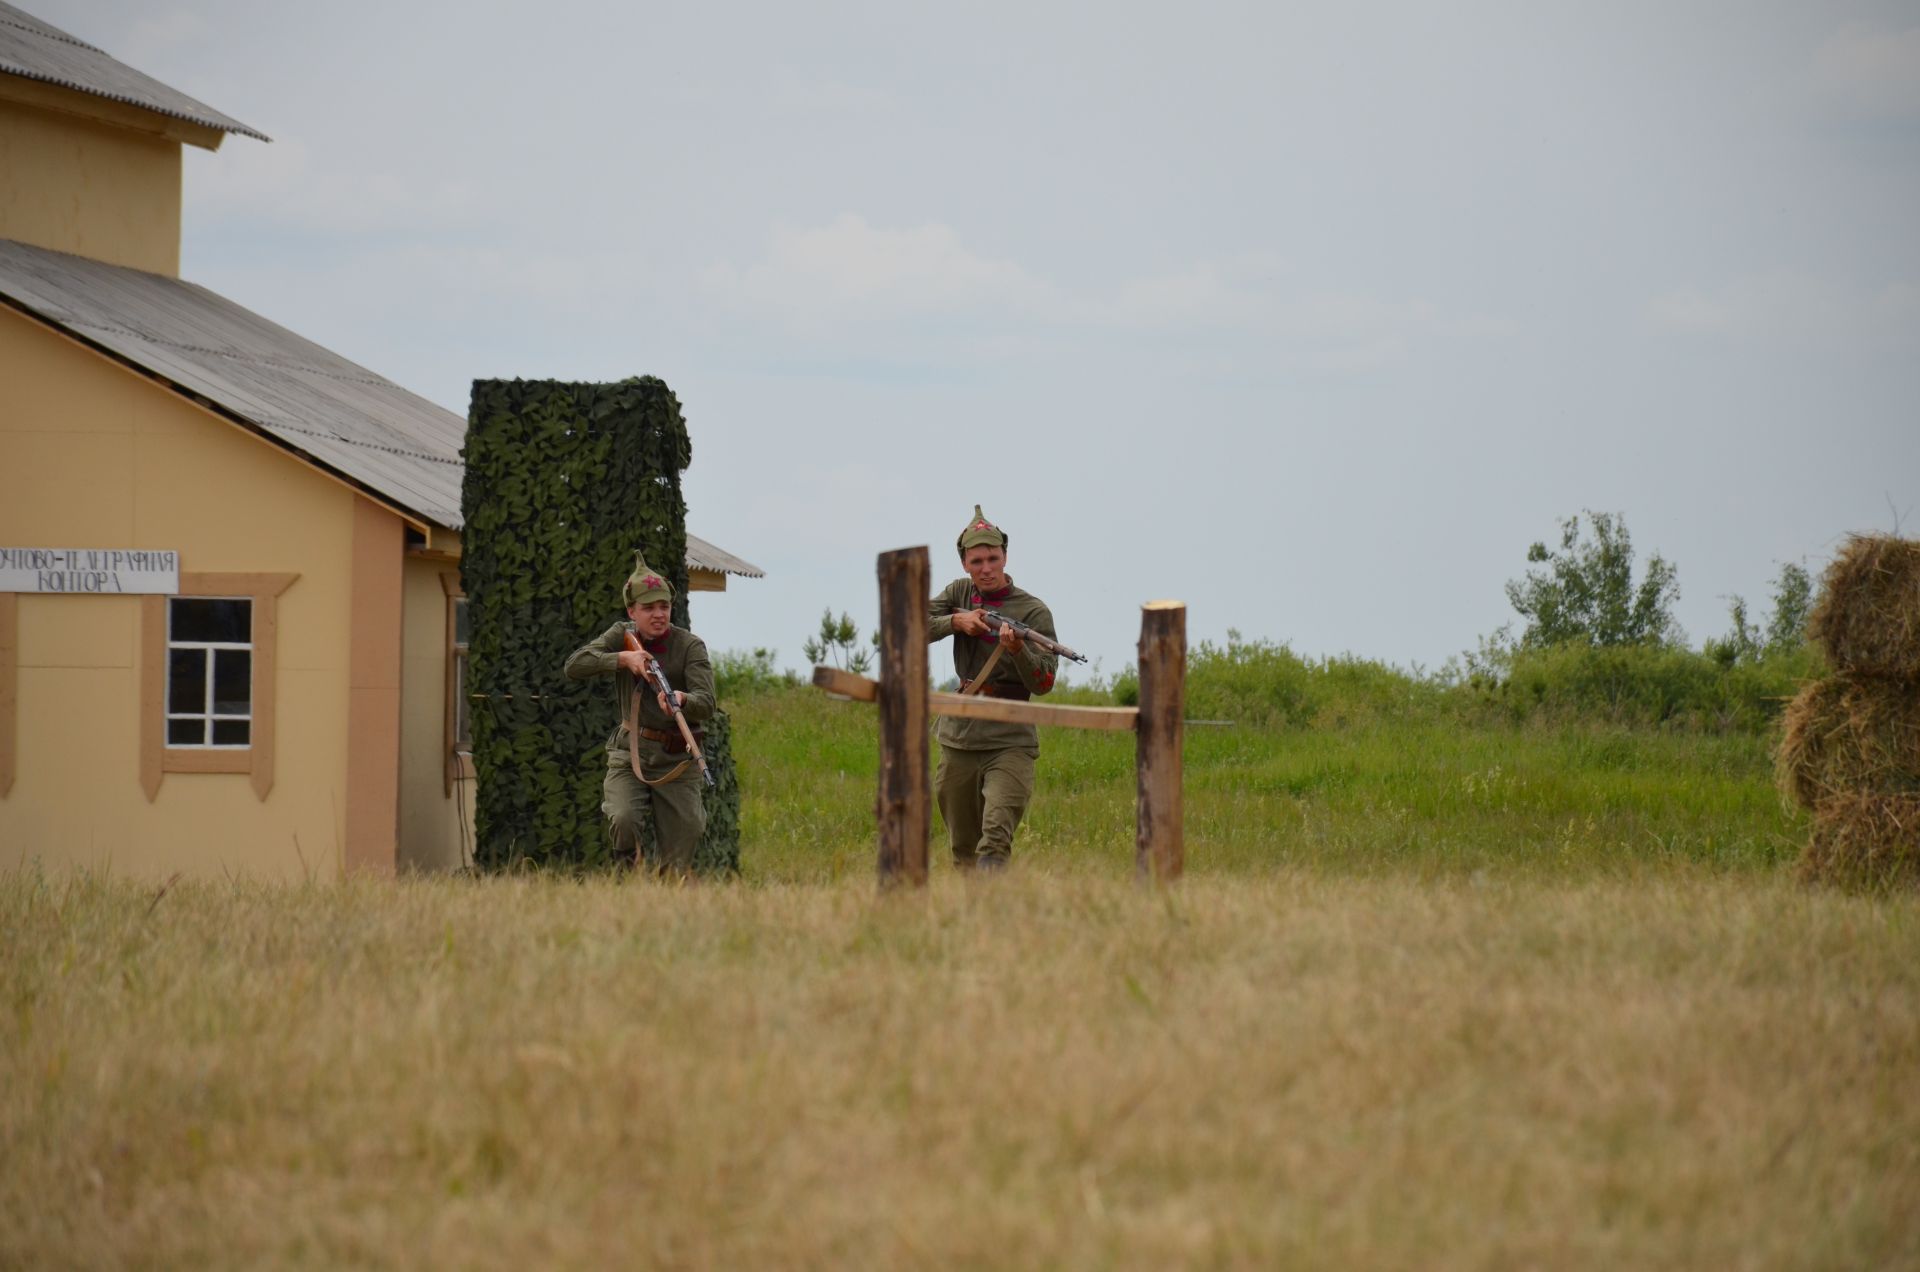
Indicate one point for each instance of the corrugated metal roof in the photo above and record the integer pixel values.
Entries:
(338, 415)
(314, 402)
(31, 48)
(702, 555)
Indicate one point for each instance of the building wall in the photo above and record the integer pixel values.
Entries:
(93, 455)
(436, 801)
(93, 189)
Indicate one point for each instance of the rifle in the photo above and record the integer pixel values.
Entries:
(657, 676)
(996, 621)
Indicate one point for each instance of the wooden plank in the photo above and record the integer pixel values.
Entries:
(1159, 844)
(1113, 719)
(860, 689)
(846, 684)
(904, 807)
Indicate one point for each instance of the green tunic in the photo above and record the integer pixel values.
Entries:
(1031, 669)
(677, 807)
(985, 776)
(687, 667)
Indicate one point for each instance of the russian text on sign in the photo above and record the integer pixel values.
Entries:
(90, 571)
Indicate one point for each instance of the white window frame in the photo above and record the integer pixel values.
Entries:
(256, 761)
(209, 716)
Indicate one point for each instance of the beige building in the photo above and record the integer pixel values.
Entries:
(231, 632)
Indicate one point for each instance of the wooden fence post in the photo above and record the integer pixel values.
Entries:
(1159, 848)
(903, 809)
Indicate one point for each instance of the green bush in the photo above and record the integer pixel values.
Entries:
(1664, 685)
(1253, 682)
(1760, 689)
(738, 673)
(1261, 684)
(1264, 684)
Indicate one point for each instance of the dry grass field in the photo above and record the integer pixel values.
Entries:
(1670, 1066)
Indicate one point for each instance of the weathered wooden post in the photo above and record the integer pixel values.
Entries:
(902, 808)
(1159, 848)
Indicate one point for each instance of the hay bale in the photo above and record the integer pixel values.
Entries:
(1865, 841)
(1850, 734)
(1868, 614)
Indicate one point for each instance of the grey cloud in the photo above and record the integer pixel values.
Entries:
(1796, 309)
(1361, 297)
(1873, 71)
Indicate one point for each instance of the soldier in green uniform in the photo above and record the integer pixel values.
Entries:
(985, 775)
(647, 760)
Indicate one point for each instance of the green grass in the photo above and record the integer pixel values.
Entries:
(1429, 792)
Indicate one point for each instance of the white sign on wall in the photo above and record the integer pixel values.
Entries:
(102, 571)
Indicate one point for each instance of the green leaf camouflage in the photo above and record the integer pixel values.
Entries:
(564, 482)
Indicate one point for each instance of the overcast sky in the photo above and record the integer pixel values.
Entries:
(1311, 315)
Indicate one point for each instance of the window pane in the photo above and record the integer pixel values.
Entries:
(186, 680)
(460, 628)
(232, 681)
(231, 732)
(186, 732)
(212, 620)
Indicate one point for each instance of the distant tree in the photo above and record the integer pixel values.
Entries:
(1585, 594)
(1785, 628)
(1741, 645)
(838, 644)
(1792, 602)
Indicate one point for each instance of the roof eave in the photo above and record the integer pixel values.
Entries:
(63, 97)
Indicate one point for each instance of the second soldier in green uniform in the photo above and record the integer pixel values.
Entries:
(647, 760)
(985, 776)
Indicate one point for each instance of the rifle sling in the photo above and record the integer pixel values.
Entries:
(633, 740)
(973, 686)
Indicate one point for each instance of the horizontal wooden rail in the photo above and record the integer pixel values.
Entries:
(1114, 719)
(846, 683)
(1007, 710)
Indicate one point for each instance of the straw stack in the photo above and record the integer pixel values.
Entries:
(1851, 751)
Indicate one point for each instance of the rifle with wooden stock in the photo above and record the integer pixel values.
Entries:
(996, 621)
(657, 677)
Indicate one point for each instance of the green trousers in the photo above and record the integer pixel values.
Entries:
(679, 811)
(983, 795)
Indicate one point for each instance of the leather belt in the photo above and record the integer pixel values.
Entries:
(664, 736)
(993, 689)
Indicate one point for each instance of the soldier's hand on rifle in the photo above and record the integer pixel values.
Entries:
(679, 701)
(971, 622)
(1009, 641)
(635, 661)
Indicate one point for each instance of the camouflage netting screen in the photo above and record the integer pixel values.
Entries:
(563, 482)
